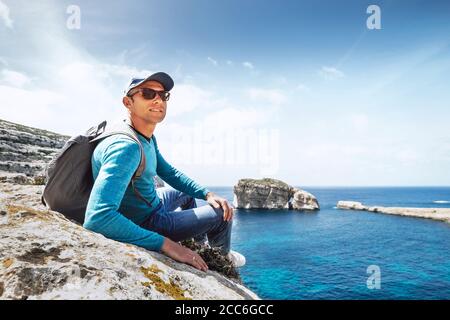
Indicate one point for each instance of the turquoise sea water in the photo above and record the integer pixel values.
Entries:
(325, 254)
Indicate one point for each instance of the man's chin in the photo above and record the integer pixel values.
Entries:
(157, 119)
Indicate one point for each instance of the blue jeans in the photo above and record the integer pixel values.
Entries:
(178, 218)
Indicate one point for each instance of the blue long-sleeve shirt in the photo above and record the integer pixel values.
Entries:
(114, 209)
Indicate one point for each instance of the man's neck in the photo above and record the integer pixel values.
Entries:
(144, 128)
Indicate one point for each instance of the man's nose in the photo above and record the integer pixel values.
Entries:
(158, 99)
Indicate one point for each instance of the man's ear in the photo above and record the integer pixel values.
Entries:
(126, 101)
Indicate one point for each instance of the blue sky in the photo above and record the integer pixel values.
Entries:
(302, 91)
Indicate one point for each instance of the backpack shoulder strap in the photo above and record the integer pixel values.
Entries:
(127, 130)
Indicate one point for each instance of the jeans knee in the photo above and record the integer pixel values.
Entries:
(219, 211)
(189, 203)
(220, 218)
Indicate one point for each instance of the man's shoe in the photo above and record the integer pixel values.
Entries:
(237, 259)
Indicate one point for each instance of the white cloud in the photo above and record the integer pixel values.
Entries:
(232, 117)
(86, 96)
(272, 96)
(330, 73)
(87, 80)
(360, 122)
(74, 91)
(248, 65)
(14, 78)
(30, 107)
(353, 162)
(214, 62)
(280, 81)
(4, 15)
(236, 137)
(229, 62)
(187, 97)
(239, 141)
(70, 90)
(90, 92)
(125, 71)
(304, 88)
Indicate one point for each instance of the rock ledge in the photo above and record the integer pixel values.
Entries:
(441, 214)
(45, 256)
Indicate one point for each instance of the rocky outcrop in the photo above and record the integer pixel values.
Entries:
(25, 151)
(271, 194)
(441, 214)
(45, 256)
(303, 200)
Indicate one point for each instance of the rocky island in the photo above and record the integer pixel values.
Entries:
(45, 256)
(269, 193)
(441, 214)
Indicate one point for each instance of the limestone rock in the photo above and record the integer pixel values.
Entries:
(350, 205)
(25, 151)
(271, 194)
(303, 200)
(45, 256)
(441, 214)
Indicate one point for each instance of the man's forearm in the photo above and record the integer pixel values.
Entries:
(183, 183)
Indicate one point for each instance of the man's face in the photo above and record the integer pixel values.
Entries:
(150, 111)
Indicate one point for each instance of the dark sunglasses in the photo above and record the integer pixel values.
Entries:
(150, 94)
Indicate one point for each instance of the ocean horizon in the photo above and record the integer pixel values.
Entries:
(331, 253)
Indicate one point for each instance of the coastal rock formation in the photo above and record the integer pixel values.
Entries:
(441, 214)
(271, 194)
(303, 200)
(45, 256)
(25, 151)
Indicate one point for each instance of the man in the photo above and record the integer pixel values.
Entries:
(117, 212)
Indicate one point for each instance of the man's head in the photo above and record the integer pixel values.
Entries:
(146, 98)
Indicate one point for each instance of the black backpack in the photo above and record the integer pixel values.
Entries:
(69, 179)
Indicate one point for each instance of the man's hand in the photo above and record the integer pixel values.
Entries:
(182, 254)
(218, 202)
